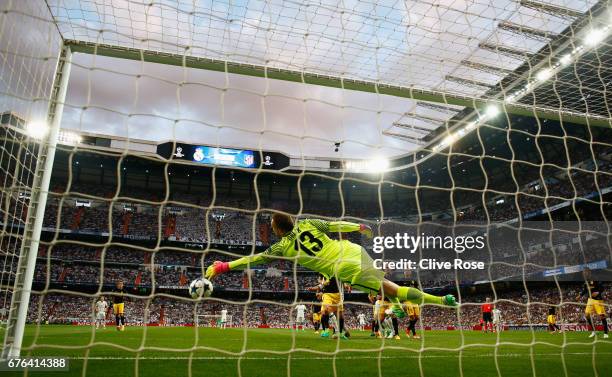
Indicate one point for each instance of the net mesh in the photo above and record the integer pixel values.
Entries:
(27, 71)
(119, 209)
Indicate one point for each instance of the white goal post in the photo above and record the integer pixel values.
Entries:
(18, 311)
(213, 320)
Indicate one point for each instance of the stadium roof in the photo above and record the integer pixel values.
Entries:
(467, 49)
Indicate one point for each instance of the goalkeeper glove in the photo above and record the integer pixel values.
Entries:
(217, 268)
(365, 230)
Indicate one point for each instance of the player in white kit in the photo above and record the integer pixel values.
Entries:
(333, 322)
(361, 318)
(101, 307)
(300, 318)
(223, 318)
(497, 320)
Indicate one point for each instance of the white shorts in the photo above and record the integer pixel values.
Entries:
(300, 319)
(100, 315)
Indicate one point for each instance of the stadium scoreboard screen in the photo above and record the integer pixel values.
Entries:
(223, 156)
(242, 158)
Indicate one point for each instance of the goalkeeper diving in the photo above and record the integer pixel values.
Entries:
(308, 242)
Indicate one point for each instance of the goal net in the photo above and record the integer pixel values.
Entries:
(144, 140)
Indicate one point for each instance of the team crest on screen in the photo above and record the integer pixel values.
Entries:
(198, 155)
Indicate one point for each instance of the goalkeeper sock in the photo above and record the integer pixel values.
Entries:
(117, 319)
(341, 324)
(418, 297)
(395, 325)
(604, 322)
(123, 320)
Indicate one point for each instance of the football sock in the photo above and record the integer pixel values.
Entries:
(388, 324)
(590, 322)
(604, 322)
(341, 324)
(418, 297)
(324, 321)
(117, 320)
(395, 325)
(412, 326)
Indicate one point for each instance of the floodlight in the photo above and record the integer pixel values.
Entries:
(37, 129)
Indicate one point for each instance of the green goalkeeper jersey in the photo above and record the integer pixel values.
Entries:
(311, 246)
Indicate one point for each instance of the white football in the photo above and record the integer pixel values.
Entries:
(200, 288)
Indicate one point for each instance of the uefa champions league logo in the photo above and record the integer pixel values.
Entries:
(179, 152)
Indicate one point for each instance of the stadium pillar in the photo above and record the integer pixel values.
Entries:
(40, 189)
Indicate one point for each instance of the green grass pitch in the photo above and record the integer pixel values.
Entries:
(177, 351)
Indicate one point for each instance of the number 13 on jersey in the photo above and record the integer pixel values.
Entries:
(308, 243)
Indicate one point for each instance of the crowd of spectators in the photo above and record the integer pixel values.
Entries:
(541, 196)
(512, 258)
(224, 226)
(78, 264)
(168, 277)
(230, 219)
(518, 308)
(135, 213)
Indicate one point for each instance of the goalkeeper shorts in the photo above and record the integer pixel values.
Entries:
(596, 306)
(358, 271)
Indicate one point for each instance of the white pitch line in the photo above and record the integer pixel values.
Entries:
(445, 356)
